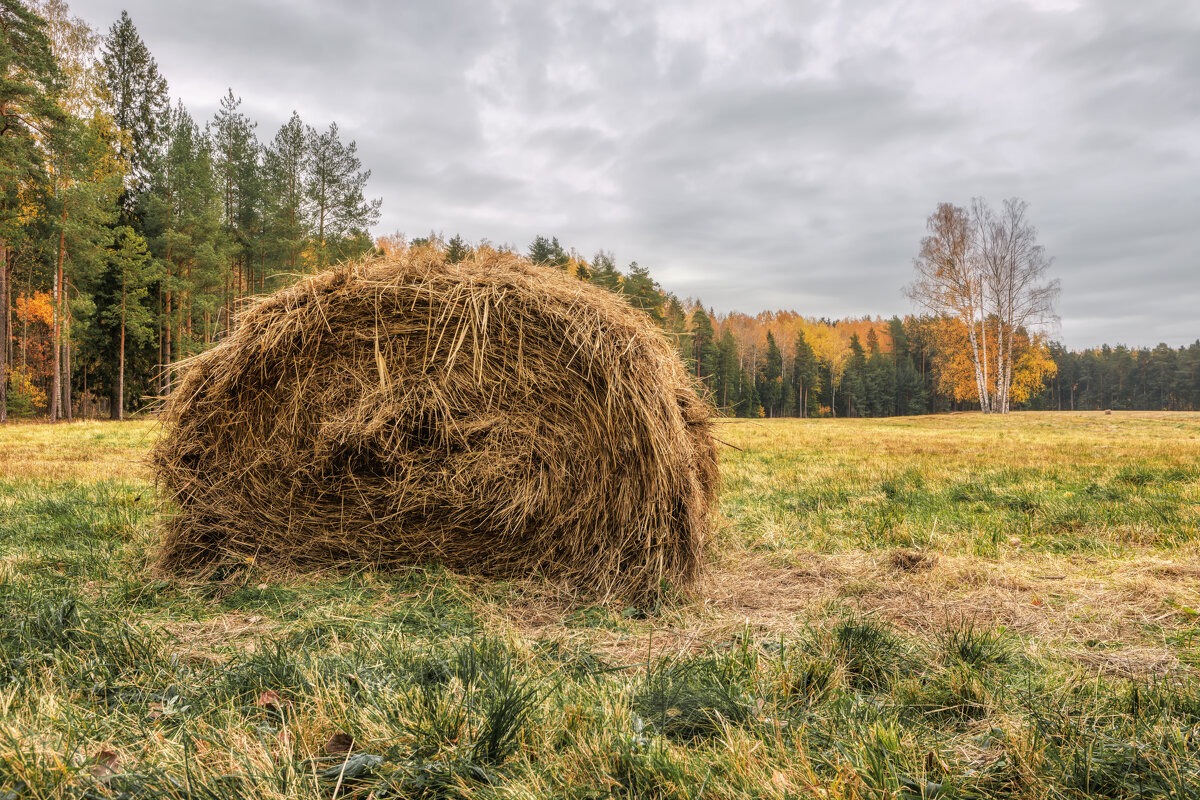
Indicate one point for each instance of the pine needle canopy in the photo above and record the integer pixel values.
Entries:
(494, 416)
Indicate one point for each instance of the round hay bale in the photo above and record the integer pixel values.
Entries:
(494, 416)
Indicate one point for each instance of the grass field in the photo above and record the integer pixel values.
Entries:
(951, 606)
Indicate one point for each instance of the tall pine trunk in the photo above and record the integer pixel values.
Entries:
(68, 412)
(4, 336)
(118, 411)
(56, 381)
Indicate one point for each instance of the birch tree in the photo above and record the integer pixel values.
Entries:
(949, 282)
(986, 270)
(1014, 267)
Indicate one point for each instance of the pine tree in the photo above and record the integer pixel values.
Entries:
(285, 163)
(643, 292)
(340, 212)
(457, 250)
(137, 96)
(85, 193)
(704, 353)
(235, 153)
(29, 86)
(127, 317)
(548, 252)
(604, 271)
(183, 222)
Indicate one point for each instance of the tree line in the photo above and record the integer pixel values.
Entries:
(781, 364)
(129, 230)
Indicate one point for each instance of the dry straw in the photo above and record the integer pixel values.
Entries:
(494, 416)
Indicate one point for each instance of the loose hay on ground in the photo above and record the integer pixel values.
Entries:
(494, 416)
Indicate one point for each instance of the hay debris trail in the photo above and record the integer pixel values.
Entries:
(494, 416)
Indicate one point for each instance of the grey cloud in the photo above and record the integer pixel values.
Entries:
(761, 155)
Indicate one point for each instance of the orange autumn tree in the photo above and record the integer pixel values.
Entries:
(1032, 364)
(29, 374)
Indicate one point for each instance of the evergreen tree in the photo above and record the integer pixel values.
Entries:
(340, 212)
(804, 376)
(604, 271)
(29, 86)
(770, 379)
(749, 404)
(183, 216)
(235, 161)
(643, 292)
(137, 97)
(285, 164)
(548, 252)
(127, 319)
(84, 193)
(880, 399)
(457, 250)
(907, 388)
(704, 355)
(853, 387)
(727, 388)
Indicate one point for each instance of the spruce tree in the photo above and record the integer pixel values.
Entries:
(726, 389)
(770, 379)
(548, 252)
(879, 379)
(853, 387)
(804, 375)
(137, 98)
(908, 392)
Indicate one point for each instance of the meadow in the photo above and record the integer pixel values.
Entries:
(944, 606)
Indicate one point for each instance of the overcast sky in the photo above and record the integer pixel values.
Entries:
(756, 155)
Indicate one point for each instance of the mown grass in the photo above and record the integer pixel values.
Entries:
(903, 608)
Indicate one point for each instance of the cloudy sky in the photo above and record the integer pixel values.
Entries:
(755, 155)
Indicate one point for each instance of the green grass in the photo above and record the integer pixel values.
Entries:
(944, 607)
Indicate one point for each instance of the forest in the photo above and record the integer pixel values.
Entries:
(131, 232)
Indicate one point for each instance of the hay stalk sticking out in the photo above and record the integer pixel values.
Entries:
(494, 416)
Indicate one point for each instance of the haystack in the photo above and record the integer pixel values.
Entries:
(492, 416)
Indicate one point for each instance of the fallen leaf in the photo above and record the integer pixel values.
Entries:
(104, 764)
(156, 710)
(262, 587)
(779, 780)
(271, 701)
(339, 743)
